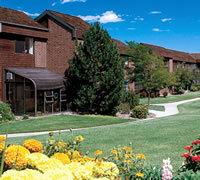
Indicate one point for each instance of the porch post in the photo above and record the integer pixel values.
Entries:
(24, 96)
(35, 101)
(60, 101)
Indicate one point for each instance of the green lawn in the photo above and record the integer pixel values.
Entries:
(158, 139)
(171, 98)
(157, 108)
(59, 123)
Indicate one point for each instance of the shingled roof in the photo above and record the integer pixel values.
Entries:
(80, 25)
(77, 25)
(10, 16)
(122, 47)
(172, 54)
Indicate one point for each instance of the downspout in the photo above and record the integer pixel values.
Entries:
(0, 27)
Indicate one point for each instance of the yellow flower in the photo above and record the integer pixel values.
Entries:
(16, 156)
(2, 138)
(22, 175)
(64, 158)
(128, 156)
(141, 156)
(61, 174)
(139, 174)
(33, 145)
(79, 139)
(127, 149)
(36, 158)
(79, 171)
(114, 151)
(61, 144)
(98, 152)
(76, 155)
(106, 169)
(50, 164)
(2, 146)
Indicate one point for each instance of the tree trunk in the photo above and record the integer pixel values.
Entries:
(149, 97)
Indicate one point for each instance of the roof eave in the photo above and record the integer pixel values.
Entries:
(22, 25)
(47, 12)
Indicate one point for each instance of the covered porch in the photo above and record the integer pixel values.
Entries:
(34, 91)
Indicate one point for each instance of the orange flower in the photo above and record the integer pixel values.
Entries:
(98, 152)
(141, 156)
(16, 156)
(33, 145)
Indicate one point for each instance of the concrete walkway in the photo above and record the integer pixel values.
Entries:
(170, 108)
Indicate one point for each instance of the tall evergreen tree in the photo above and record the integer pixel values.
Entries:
(96, 74)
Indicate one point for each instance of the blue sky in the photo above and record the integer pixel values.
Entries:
(170, 23)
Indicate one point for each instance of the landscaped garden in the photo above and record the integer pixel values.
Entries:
(158, 139)
(108, 147)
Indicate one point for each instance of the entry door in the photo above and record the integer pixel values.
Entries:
(15, 97)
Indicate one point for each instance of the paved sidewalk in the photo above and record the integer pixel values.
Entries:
(170, 108)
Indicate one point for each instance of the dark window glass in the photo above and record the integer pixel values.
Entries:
(20, 46)
(24, 45)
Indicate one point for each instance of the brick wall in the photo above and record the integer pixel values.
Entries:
(8, 58)
(60, 48)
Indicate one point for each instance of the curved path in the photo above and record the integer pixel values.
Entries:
(170, 109)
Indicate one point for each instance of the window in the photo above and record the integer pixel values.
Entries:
(24, 46)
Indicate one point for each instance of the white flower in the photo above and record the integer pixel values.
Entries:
(167, 170)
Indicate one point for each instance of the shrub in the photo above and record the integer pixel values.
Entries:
(195, 87)
(131, 98)
(6, 113)
(192, 157)
(124, 108)
(165, 94)
(140, 112)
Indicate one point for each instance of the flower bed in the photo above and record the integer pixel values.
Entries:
(64, 160)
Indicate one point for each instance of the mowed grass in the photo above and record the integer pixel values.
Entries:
(158, 139)
(59, 122)
(157, 108)
(171, 98)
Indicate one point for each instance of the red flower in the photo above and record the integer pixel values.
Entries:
(188, 148)
(185, 155)
(196, 158)
(196, 142)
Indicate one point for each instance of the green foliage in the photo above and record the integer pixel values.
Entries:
(6, 113)
(152, 173)
(131, 98)
(124, 108)
(188, 175)
(150, 71)
(96, 74)
(195, 87)
(58, 145)
(140, 112)
(184, 77)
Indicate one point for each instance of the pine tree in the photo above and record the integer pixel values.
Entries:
(96, 74)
